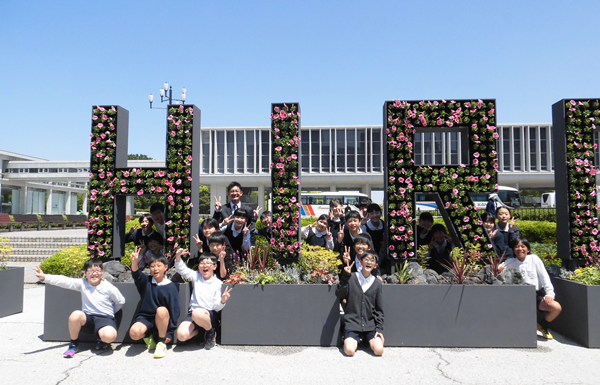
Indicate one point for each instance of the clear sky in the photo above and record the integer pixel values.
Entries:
(339, 59)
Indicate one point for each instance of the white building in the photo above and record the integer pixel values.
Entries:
(333, 158)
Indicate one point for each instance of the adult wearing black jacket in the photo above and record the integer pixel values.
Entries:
(223, 212)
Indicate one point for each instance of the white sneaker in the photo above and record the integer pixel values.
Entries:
(161, 350)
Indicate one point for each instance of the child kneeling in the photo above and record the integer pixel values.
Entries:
(206, 299)
(363, 316)
(159, 308)
(101, 300)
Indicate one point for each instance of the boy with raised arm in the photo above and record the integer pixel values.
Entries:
(159, 307)
(100, 301)
(363, 315)
(206, 299)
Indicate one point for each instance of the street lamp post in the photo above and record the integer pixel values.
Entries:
(166, 94)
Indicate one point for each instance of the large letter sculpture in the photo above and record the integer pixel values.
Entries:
(402, 120)
(111, 180)
(574, 123)
(285, 179)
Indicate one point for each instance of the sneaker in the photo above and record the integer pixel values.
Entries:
(161, 350)
(210, 338)
(150, 343)
(100, 345)
(545, 332)
(71, 351)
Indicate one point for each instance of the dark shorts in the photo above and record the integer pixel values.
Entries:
(211, 313)
(365, 336)
(93, 323)
(539, 297)
(147, 322)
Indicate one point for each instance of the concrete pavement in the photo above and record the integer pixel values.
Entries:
(26, 359)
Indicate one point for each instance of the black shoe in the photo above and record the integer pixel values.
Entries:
(210, 338)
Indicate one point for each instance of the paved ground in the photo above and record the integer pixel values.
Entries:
(27, 359)
(81, 232)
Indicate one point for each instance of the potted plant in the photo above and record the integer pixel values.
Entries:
(275, 305)
(11, 283)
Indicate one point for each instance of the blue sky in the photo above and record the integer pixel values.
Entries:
(339, 59)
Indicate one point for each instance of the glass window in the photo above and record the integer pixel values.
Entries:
(533, 149)
(340, 140)
(206, 152)
(240, 151)
(351, 200)
(517, 148)
(305, 150)
(361, 150)
(266, 146)
(230, 151)
(377, 150)
(506, 147)
(220, 152)
(315, 147)
(250, 151)
(325, 151)
(351, 150)
(543, 148)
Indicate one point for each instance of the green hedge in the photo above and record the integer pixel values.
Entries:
(68, 262)
(538, 231)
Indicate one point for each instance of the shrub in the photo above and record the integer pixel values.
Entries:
(5, 250)
(68, 262)
(315, 258)
(587, 275)
(539, 232)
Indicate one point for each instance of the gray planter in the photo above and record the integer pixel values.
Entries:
(279, 315)
(580, 316)
(460, 316)
(60, 303)
(11, 290)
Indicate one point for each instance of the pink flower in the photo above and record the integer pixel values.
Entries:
(278, 148)
(159, 189)
(455, 191)
(140, 192)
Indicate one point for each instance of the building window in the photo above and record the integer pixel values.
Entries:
(305, 150)
(325, 151)
(230, 151)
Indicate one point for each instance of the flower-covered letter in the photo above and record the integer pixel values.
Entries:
(111, 180)
(574, 123)
(402, 120)
(285, 179)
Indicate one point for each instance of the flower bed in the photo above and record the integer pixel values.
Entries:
(11, 290)
(580, 316)
(60, 303)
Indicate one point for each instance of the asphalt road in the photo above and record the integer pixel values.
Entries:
(26, 359)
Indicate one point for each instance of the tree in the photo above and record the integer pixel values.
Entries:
(138, 157)
(204, 202)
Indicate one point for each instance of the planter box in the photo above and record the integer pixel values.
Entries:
(460, 316)
(281, 315)
(60, 303)
(11, 290)
(580, 316)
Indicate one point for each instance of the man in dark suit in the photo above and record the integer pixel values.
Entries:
(224, 212)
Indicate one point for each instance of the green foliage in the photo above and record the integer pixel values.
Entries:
(316, 258)
(423, 256)
(547, 253)
(402, 275)
(308, 221)
(587, 275)
(528, 214)
(538, 231)
(68, 262)
(204, 200)
(138, 157)
(5, 250)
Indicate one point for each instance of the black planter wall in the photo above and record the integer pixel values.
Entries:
(11, 290)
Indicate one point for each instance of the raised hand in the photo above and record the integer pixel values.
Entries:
(245, 230)
(346, 256)
(257, 211)
(180, 253)
(228, 220)
(511, 224)
(135, 256)
(331, 214)
(226, 294)
(39, 273)
(222, 256)
(218, 204)
(132, 229)
(493, 233)
(199, 243)
(341, 234)
(348, 268)
(329, 236)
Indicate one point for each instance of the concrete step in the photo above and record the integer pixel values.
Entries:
(27, 258)
(43, 245)
(78, 240)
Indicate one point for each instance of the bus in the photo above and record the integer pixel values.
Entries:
(508, 195)
(315, 204)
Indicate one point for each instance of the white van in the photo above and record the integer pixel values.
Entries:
(549, 200)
